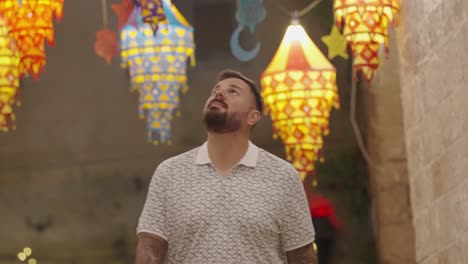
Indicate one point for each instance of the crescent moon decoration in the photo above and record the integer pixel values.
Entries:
(238, 52)
(248, 14)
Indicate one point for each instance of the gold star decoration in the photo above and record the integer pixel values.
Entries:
(336, 44)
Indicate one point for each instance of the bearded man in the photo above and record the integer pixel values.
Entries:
(226, 201)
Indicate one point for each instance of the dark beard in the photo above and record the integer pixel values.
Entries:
(221, 122)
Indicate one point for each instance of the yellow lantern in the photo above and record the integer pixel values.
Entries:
(9, 77)
(299, 90)
(365, 26)
(31, 23)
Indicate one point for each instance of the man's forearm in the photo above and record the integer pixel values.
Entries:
(151, 249)
(303, 255)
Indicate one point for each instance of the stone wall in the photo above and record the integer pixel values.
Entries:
(388, 164)
(433, 50)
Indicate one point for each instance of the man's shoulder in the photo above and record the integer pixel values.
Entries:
(183, 159)
(275, 163)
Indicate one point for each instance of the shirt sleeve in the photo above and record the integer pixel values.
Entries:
(153, 216)
(297, 229)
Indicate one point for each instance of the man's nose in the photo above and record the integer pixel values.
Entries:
(219, 93)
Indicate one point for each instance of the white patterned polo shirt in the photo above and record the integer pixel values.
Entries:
(253, 215)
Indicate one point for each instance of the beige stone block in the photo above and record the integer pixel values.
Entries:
(398, 242)
(435, 18)
(430, 5)
(422, 191)
(449, 217)
(449, 170)
(463, 207)
(412, 104)
(390, 174)
(409, 14)
(435, 89)
(411, 54)
(416, 151)
(455, 14)
(463, 244)
(427, 134)
(450, 255)
(424, 226)
(394, 205)
(430, 260)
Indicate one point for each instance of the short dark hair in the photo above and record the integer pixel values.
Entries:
(225, 74)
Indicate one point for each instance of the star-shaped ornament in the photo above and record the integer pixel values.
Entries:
(123, 11)
(336, 44)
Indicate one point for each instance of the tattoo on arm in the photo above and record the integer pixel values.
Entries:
(303, 255)
(151, 249)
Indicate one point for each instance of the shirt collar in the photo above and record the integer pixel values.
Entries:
(249, 159)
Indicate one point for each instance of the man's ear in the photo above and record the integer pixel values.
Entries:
(254, 117)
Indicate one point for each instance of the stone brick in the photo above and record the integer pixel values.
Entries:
(434, 91)
(431, 5)
(437, 33)
(450, 255)
(463, 243)
(463, 207)
(448, 217)
(413, 110)
(416, 152)
(396, 207)
(457, 16)
(422, 191)
(430, 260)
(436, 138)
(424, 224)
(399, 244)
(392, 174)
(450, 168)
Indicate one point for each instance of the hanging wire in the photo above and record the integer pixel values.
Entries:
(104, 13)
(357, 132)
(299, 13)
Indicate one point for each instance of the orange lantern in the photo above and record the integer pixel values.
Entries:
(9, 77)
(30, 23)
(299, 90)
(365, 26)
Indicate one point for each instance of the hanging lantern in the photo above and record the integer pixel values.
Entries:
(9, 78)
(106, 44)
(365, 25)
(31, 24)
(299, 90)
(152, 12)
(157, 67)
(123, 11)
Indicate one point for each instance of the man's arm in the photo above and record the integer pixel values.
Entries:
(303, 255)
(151, 249)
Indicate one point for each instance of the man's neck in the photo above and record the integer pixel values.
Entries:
(226, 150)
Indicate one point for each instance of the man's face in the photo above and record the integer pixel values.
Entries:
(229, 106)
